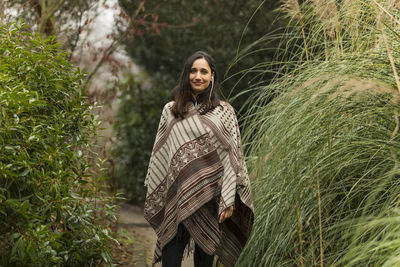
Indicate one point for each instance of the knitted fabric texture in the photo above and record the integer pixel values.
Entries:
(196, 160)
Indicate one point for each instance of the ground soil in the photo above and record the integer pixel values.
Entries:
(137, 238)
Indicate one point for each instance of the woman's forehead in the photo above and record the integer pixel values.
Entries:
(201, 63)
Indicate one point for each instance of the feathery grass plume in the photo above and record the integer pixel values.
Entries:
(351, 9)
(326, 11)
(324, 145)
(293, 9)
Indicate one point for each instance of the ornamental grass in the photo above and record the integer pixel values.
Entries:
(323, 139)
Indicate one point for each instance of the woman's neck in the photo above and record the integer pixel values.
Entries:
(195, 99)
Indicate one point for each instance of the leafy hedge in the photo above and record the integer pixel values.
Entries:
(46, 200)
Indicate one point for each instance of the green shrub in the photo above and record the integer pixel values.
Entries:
(47, 205)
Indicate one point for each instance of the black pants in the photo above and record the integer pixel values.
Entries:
(172, 252)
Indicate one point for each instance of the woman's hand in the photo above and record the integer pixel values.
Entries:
(227, 213)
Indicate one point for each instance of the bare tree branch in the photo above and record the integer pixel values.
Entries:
(115, 44)
(77, 34)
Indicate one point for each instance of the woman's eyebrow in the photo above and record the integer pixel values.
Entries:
(194, 68)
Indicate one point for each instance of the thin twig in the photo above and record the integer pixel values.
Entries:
(396, 77)
(114, 45)
(174, 26)
(77, 35)
(387, 12)
(305, 42)
(394, 133)
(320, 224)
(396, 129)
(300, 230)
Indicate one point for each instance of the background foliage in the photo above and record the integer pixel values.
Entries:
(221, 28)
(62, 18)
(324, 152)
(179, 28)
(134, 125)
(48, 202)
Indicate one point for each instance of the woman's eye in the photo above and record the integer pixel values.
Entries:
(193, 71)
(204, 72)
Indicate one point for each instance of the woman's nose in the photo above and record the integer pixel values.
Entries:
(197, 75)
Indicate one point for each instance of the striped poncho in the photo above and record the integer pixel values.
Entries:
(196, 160)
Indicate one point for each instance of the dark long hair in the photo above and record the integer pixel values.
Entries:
(182, 93)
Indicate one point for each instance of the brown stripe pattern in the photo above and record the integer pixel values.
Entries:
(196, 160)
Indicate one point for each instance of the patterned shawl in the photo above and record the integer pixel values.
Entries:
(196, 160)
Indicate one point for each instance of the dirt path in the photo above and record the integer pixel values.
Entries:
(131, 218)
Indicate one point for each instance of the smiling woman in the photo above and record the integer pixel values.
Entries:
(200, 76)
(197, 182)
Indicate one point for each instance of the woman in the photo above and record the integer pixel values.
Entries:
(197, 183)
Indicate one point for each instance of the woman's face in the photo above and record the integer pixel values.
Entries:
(200, 76)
